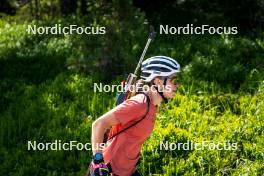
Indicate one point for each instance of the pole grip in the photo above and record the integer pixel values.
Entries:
(152, 33)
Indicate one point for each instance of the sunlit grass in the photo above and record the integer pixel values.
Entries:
(236, 118)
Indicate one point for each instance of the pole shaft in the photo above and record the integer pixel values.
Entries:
(142, 56)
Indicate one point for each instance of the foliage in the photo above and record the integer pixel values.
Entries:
(46, 89)
(62, 109)
(247, 15)
(214, 118)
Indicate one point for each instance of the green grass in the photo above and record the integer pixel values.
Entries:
(46, 93)
(62, 109)
(65, 108)
(234, 118)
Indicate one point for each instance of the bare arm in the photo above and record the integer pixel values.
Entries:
(99, 127)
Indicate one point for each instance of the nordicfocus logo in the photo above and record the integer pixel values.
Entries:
(99, 87)
(189, 145)
(59, 145)
(66, 30)
(203, 29)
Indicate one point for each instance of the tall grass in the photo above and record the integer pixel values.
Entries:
(221, 99)
(64, 109)
(233, 118)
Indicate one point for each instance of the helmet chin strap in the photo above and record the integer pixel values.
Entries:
(161, 92)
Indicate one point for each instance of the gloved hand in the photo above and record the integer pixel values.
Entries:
(99, 169)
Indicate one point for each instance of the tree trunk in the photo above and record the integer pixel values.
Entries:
(83, 7)
(37, 9)
(68, 7)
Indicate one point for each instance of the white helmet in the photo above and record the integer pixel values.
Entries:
(161, 66)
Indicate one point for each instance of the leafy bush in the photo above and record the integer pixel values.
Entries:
(62, 109)
(46, 94)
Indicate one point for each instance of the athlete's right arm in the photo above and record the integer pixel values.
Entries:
(99, 128)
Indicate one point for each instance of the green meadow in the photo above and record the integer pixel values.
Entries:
(47, 94)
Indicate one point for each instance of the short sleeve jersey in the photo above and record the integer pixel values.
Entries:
(123, 151)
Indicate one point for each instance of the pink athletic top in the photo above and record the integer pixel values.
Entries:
(123, 151)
